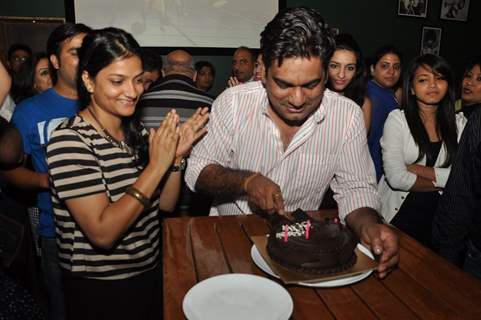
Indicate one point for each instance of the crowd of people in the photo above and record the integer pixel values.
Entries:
(111, 138)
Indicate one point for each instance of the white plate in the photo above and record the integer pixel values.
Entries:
(237, 296)
(262, 264)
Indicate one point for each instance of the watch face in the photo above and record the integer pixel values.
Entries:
(183, 164)
(181, 167)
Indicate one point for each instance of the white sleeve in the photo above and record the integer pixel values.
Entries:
(393, 158)
(215, 146)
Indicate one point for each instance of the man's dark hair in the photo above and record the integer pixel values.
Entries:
(252, 52)
(58, 36)
(151, 60)
(18, 46)
(296, 32)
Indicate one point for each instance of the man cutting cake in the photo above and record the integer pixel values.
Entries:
(276, 146)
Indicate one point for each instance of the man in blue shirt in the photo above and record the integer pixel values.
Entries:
(35, 119)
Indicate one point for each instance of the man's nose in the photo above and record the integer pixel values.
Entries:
(297, 98)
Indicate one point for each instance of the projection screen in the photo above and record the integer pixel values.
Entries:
(182, 23)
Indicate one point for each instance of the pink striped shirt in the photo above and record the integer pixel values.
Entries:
(329, 148)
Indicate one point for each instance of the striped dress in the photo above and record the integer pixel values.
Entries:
(82, 162)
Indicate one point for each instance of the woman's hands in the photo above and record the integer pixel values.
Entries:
(191, 131)
(163, 142)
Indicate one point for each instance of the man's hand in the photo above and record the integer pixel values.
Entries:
(381, 238)
(384, 243)
(232, 82)
(264, 194)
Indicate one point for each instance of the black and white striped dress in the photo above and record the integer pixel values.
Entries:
(82, 162)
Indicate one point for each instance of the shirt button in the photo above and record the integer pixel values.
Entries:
(396, 209)
(402, 197)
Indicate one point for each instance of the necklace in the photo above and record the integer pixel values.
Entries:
(121, 144)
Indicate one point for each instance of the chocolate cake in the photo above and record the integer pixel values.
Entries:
(328, 246)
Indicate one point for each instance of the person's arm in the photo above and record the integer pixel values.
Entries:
(354, 183)
(216, 146)
(393, 154)
(422, 171)
(104, 222)
(208, 169)
(190, 132)
(382, 240)
(262, 193)
(367, 111)
(355, 191)
(24, 178)
(425, 178)
(5, 83)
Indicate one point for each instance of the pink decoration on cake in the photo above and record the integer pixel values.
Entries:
(308, 227)
(286, 232)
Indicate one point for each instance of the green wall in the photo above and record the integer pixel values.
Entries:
(372, 23)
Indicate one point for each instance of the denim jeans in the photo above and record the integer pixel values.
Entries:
(52, 276)
(472, 263)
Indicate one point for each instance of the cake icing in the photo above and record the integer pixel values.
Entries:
(327, 247)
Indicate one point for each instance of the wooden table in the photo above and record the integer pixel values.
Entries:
(424, 286)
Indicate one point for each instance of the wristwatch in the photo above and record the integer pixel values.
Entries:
(180, 167)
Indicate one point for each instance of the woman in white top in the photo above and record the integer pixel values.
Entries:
(419, 144)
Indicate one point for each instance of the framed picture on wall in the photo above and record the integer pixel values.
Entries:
(431, 40)
(413, 8)
(455, 10)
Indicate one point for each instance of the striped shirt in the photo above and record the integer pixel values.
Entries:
(172, 92)
(82, 162)
(330, 148)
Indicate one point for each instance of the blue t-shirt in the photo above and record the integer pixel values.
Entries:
(383, 102)
(36, 118)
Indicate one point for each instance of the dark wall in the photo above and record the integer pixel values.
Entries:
(375, 22)
(33, 8)
(372, 23)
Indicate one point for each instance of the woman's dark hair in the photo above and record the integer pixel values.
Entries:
(468, 66)
(99, 49)
(356, 89)
(382, 51)
(445, 115)
(200, 64)
(296, 32)
(23, 81)
(471, 63)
